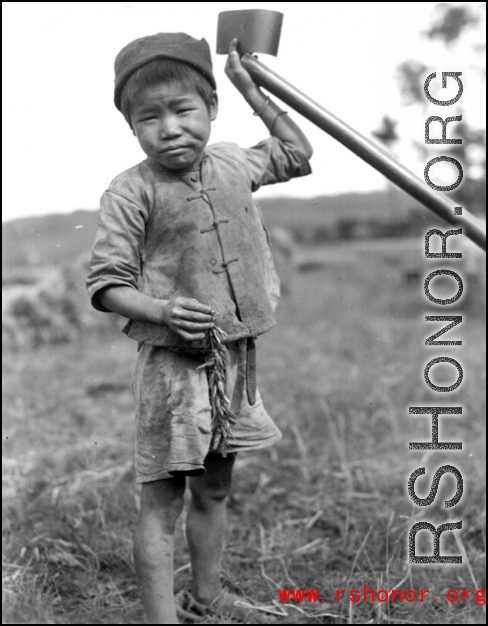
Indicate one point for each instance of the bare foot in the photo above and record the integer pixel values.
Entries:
(228, 604)
(189, 610)
(240, 609)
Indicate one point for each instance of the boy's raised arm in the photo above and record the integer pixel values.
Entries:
(277, 122)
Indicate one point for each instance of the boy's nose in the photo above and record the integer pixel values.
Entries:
(170, 127)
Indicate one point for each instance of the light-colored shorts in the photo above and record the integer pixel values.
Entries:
(173, 418)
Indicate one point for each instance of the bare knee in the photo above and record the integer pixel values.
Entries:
(212, 488)
(209, 493)
(161, 505)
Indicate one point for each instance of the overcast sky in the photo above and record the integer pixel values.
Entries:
(64, 141)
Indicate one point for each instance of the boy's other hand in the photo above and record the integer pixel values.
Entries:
(237, 74)
(279, 125)
(188, 318)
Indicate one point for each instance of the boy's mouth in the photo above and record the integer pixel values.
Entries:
(174, 149)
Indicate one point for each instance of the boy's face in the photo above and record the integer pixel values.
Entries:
(172, 124)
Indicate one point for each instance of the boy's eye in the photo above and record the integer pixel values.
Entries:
(145, 118)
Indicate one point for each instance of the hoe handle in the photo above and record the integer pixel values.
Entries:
(365, 149)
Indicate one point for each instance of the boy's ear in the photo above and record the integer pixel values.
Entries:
(214, 108)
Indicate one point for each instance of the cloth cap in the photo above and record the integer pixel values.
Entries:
(176, 46)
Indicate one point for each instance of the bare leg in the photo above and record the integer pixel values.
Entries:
(205, 529)
(205, 525)
(161, 505)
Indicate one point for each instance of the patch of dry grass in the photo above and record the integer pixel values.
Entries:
(48, 306)
(327, 508)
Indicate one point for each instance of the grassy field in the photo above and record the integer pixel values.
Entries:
(327, 508)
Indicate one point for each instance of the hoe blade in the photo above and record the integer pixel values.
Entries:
(256, 29)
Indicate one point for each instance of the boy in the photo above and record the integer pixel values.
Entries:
(180, 250)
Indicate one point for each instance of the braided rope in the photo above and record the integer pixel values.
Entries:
(215, 365)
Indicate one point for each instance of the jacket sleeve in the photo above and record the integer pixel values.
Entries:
(273, 161)
(117, 254)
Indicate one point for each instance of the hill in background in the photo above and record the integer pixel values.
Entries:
(59, 238)
(47, 240)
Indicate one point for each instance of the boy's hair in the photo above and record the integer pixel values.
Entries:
(164, 71)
